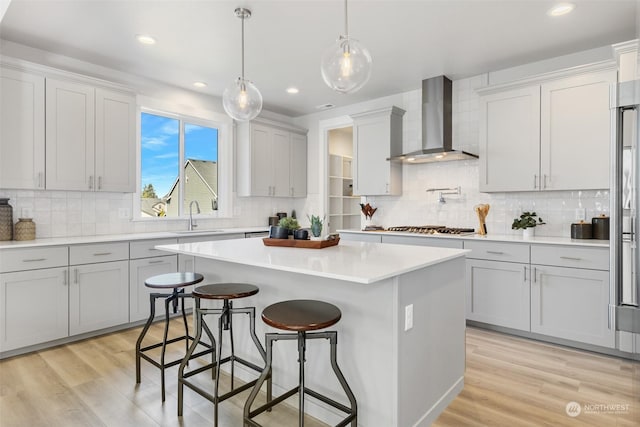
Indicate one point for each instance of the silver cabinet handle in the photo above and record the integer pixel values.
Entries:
(544, 181)
(64, 277)
(156, 262)
(99, 183)
(535, 275)
(76, 276)
(570, 258)
(34, 260)
(387, 187)
(535, 181)
(102, 253)
(495, 252)
(91, 182)
(40, 180)
(291, 191)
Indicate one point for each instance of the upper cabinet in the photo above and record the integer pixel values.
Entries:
(377, 136)
(272, 160)
(21, 130)
(549, 135)
(90, 135)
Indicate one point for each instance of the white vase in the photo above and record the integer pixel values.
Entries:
(528, 233)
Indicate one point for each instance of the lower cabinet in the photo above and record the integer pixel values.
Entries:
(454, 243)
(33, 307)
(98, 296)
(498, 293)
(139, 271)
(571, 303)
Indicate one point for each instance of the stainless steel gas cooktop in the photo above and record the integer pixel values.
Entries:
(431, 229)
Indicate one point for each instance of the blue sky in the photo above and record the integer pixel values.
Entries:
(160, 149)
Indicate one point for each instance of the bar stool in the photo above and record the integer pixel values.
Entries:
(302, 316)
(176, 282)
(225, 292)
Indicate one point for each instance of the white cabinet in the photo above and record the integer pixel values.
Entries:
(22, 145)
(90, 137)
(509, 130)
(498, 284)
(570, 294)
(272, 160)
(558, 130)
(454, 243)
(377, 136)
(344, 207)
(98, 286)
(146, 262)
(34, 296)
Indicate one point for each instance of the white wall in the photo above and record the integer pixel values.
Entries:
(417, 207)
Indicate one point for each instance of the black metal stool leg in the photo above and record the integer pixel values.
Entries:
(233, 354)
(301, 360)
(147, 325)
(266, 372)
(192, 347)
(343, 382)
(164, 343)
(184, 319)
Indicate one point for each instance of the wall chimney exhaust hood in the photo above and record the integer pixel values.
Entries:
(436, 125)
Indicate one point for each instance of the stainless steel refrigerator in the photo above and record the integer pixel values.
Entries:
(625, 215)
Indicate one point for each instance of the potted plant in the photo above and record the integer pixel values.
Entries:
(316, 226)
(527, 222)
(289, 223)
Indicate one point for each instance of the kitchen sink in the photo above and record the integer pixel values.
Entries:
(197, 231)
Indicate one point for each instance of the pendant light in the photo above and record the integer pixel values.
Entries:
(242, 100)
(346, 65)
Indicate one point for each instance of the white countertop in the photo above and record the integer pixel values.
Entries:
(78, 240)
(495, 237)
(350, 261)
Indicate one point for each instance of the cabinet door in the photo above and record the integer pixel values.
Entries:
(33, 307)
(261, 157)
(455, 243)
(21, 130)
(70, 136)
(139, 271)
(281, 154)
(576, 122)
(571, 303)
(298, 167)
(498, 293)
(510, 140)
(115, 160)
(98, 296)
(371, 151)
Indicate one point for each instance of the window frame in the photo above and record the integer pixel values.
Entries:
(224, 125)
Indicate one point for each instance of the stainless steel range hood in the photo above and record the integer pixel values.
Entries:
(436, 125)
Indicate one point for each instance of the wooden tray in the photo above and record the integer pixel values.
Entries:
(293, 243)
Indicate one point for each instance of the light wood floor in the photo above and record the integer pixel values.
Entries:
(509, 382)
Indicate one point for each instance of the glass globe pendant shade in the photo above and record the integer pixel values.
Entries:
(242, 101)
(346, 65)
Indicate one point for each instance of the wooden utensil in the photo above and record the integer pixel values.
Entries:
(482, 211)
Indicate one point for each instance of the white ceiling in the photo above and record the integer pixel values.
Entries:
(409, 40)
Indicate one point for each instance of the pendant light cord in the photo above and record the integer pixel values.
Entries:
(346, 20)
(242, 17)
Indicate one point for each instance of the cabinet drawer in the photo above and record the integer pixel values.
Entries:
(570, 256)
(146, 248)
(33, 258)
(101, 252)
(498, 251)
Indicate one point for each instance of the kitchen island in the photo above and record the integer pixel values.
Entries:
(401, 374)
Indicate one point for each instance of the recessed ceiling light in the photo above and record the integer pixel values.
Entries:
(199, 84)
(145, 39)
(561, 9)
(293, 90)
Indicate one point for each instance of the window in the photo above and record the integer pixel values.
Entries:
(179, 164)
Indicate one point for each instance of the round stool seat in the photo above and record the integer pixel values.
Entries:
(225, 291)
(301, 315)
(173, 280)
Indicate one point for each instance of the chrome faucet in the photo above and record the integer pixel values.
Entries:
(191, 224)
(445, 191)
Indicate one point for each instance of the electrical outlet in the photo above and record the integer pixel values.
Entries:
(581, 214)
(408, 317)
(123, 213)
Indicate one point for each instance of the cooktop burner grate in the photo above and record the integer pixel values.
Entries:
(431, 229)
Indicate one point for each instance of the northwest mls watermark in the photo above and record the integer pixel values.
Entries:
(573, 409)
